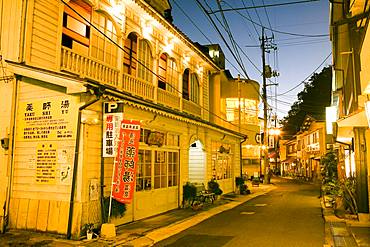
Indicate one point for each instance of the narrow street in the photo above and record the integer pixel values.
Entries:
(287, 216)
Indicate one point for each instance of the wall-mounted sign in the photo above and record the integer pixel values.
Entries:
(155, 138)
(47, 119)
(46, 163)
(113, 115)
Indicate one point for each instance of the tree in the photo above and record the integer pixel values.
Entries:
(311, 101)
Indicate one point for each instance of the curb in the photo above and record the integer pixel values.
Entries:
(160, 234)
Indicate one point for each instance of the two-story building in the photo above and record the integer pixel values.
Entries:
(350, 37)
(288, 156)
(61, 61)
(311, 146)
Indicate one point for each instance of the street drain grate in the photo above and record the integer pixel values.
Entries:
(248, 213)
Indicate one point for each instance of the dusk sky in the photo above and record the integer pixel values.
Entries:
(298, 54)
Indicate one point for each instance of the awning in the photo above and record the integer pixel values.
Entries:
(357, 119)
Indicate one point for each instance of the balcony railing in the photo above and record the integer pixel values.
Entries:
(87, 67)
(191, 107)
(168, 99)
(138, 87)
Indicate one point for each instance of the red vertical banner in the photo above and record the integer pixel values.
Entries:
(126, 161)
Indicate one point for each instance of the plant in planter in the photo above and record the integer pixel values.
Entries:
(189, 193)
(89, 228)
(214, 187)
(340, 192)
(243, 188)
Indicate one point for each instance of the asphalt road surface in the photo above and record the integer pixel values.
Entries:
(288, 216)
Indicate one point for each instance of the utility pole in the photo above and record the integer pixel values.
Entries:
(264, 98)
(266, 73)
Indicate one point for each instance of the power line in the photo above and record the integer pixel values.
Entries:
(278, 31)
(236, 44)
(304, 80)
(220, 34)
(266, 6)
(205, 36)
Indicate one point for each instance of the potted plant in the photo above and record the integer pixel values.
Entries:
(243, 188)
(214, 187)
(89, 227)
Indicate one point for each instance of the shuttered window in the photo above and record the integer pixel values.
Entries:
(173, 76)
(103, 48)
(76, 31)
(162, 71)
(145, 61)
(130, 55)
(185, 84)
(194, 87)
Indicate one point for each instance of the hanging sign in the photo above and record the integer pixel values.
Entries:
(124, 176)
(113, 115)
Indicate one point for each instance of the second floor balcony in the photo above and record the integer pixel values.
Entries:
(90, 68)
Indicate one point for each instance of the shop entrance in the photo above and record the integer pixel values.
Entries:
(197, 168)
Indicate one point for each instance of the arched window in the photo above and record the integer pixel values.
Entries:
(173, 76)
(76, 32)
(145, 61)
(185, 84)
(101, 47)
(130, 54)
(194, 87)
(162, 71)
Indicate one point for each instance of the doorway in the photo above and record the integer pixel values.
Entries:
(197, 167)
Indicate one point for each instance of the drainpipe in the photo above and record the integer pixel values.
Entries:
(98, 94)
(241, 155)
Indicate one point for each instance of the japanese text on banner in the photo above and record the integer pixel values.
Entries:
(126, 161)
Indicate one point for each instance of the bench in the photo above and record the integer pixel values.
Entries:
(202, 195)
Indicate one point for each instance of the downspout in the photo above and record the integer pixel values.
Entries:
(102, 209)
(241, 155)
(75, 165)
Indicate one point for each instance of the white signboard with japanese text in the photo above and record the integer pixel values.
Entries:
(47, 119)
(113, 115)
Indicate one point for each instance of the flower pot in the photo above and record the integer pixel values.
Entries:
(89, 235)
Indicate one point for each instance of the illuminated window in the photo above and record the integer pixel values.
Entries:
(173, 76)
(146, 61)
(248, 110)
(130, 54)
(160, 169)
(76, 31)
(221, 160)
(144, 175)
(101, 47)
(173, 161)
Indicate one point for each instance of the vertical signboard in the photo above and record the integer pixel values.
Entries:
(113, 115)
(124, 176)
